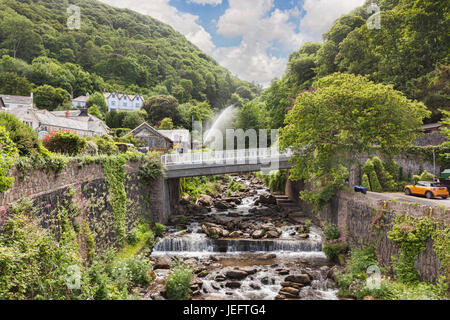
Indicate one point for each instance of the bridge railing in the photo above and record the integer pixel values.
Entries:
(251, 156)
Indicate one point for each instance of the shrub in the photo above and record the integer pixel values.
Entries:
(369, 169)
(384, 177)
(23, 136)
(159, 229)
(91, 149)
(65, 142)
(426, 176)
(365, 182)
(307, 226)
(106, 145)
(336, 251)
(151, 168)
(275, 180)
(361, 259)
(332, 232)
(138, 270)
(178, 282)
(133, 236)
(8, 152)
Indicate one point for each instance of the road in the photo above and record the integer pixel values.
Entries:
(412, 199)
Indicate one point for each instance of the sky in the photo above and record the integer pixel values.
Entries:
(251, 38)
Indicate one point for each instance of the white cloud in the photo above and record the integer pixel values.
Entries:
(203, 2)
(185, 23)
(320, 15)
(261, 26)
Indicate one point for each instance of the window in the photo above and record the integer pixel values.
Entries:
(113, 103)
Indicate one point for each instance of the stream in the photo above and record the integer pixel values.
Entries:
(239, 263)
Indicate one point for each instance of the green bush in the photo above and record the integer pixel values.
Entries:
(159, 229)
(365, 182)
(91, 149)
(65, 142)
(8, 153)
(139, 268)
(361, 259)
(336, 251)
(106, 145)
(24, 137)
(369, 169)
(426, 176)
(332, 232)
(384, 177)
(275, 180)
(178, 282)
(151, 168)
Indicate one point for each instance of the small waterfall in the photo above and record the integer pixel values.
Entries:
(196, 242)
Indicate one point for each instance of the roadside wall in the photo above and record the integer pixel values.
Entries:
(366, 221)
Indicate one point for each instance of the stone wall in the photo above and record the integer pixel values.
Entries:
(363, 220)
(88, 188)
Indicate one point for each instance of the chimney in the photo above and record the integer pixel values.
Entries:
(104, 90)
(67, 113)
(83, 112)
(87, 95)
(71, 94)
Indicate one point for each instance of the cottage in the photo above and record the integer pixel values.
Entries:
(154, 140)
(78, 121)
(81, 101)
(13, 102)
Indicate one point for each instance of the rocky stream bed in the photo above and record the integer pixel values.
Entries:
(249, 245)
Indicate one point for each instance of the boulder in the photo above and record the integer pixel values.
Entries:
(299, 278)
(272, 234)
(236, 274)
(236, 234)
(255, 286)
(267, 199)
(186, 200)
(222, 205)
(205, 200)
(258, 234)
(162, 263)
(280, 297)
(233, 284)
(289, 290)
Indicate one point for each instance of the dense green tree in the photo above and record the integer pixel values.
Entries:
(48, 97)
(166, 124)
(99, 100)
(345, 116)
(250, 116)
(133, 119)
(160, 107)
(11, 83)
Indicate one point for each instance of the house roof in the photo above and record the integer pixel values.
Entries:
(45, 117)
(2, 103)
(16, 99)
(146, 126)
(81, 99)
(120, 95)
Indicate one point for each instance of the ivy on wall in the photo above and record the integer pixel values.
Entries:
(114, 168)
(411, 234)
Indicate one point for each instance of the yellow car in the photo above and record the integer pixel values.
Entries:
(427, 189)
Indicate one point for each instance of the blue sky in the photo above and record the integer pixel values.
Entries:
(252, 38)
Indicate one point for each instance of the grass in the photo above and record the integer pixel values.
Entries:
(144, 237)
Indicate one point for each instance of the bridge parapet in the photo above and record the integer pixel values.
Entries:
(224, 157)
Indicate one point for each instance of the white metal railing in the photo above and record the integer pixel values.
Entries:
(251, 156)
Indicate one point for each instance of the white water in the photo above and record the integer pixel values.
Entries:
(220, 123)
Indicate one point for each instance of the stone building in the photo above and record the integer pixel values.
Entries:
(153, 139)
(78, 121)
(432, 135)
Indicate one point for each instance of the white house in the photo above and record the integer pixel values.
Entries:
(13, 102)
(125, 102)
(114, 100)
(81, 101)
